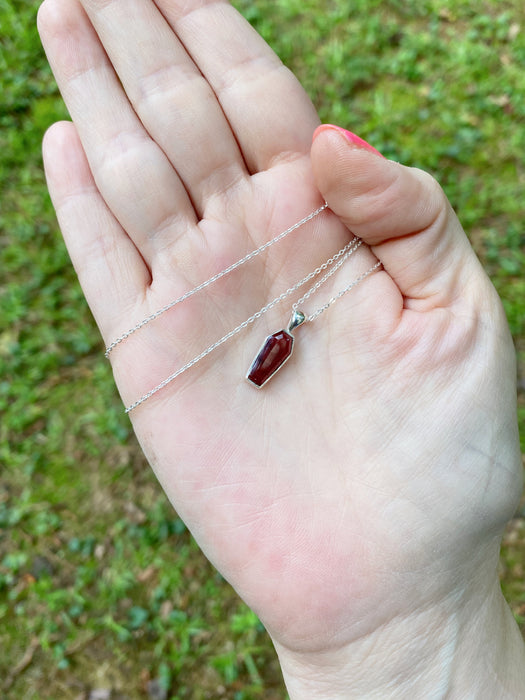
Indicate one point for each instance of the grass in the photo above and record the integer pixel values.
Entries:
(101, 585)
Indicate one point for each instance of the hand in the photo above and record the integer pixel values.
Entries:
(369, 483)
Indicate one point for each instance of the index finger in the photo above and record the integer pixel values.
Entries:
(270, 114)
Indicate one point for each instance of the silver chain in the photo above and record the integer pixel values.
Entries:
(213, 279)
(331, 265)
(352, 284)
(343, 258)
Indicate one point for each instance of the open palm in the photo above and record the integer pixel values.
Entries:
(335, 489)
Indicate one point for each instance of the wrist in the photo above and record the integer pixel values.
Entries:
(467, 646)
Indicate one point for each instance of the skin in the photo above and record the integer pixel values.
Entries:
(358, 500)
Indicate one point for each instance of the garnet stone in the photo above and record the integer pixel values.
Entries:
(276, 349)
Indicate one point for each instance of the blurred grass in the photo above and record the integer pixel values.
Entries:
(101, 586)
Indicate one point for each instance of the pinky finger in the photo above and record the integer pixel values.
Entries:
(111, 271)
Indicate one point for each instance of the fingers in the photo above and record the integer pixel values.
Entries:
(174, 146)
(404, 216)
(268, 110)
(132, 173)
(173, 100)
(110, 269)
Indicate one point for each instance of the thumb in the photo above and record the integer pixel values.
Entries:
(401, 213)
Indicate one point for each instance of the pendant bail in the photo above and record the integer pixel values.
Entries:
(297, 319)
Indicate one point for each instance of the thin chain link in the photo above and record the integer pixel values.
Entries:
(352, 284)
(332, 265)
(215, 278)
(343, 255)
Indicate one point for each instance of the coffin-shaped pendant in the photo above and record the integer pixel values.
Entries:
(274, 352)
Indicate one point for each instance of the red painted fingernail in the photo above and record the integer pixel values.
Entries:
(353, 138)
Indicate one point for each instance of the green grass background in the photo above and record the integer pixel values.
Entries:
(101, 585)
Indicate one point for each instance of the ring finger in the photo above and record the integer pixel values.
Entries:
(172, 98)
(132, 172)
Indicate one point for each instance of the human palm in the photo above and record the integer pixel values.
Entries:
(370, 478)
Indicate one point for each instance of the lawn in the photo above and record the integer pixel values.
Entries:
(103, 593)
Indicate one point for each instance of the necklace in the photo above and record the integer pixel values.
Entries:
(277, 348)
(215, 278)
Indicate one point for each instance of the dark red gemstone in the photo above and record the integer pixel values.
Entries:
(276, 350)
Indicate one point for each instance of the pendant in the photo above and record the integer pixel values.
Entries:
(274, 353)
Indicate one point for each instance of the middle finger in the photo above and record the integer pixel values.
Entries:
(173, 100)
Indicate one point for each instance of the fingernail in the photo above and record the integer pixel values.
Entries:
(353, 138)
